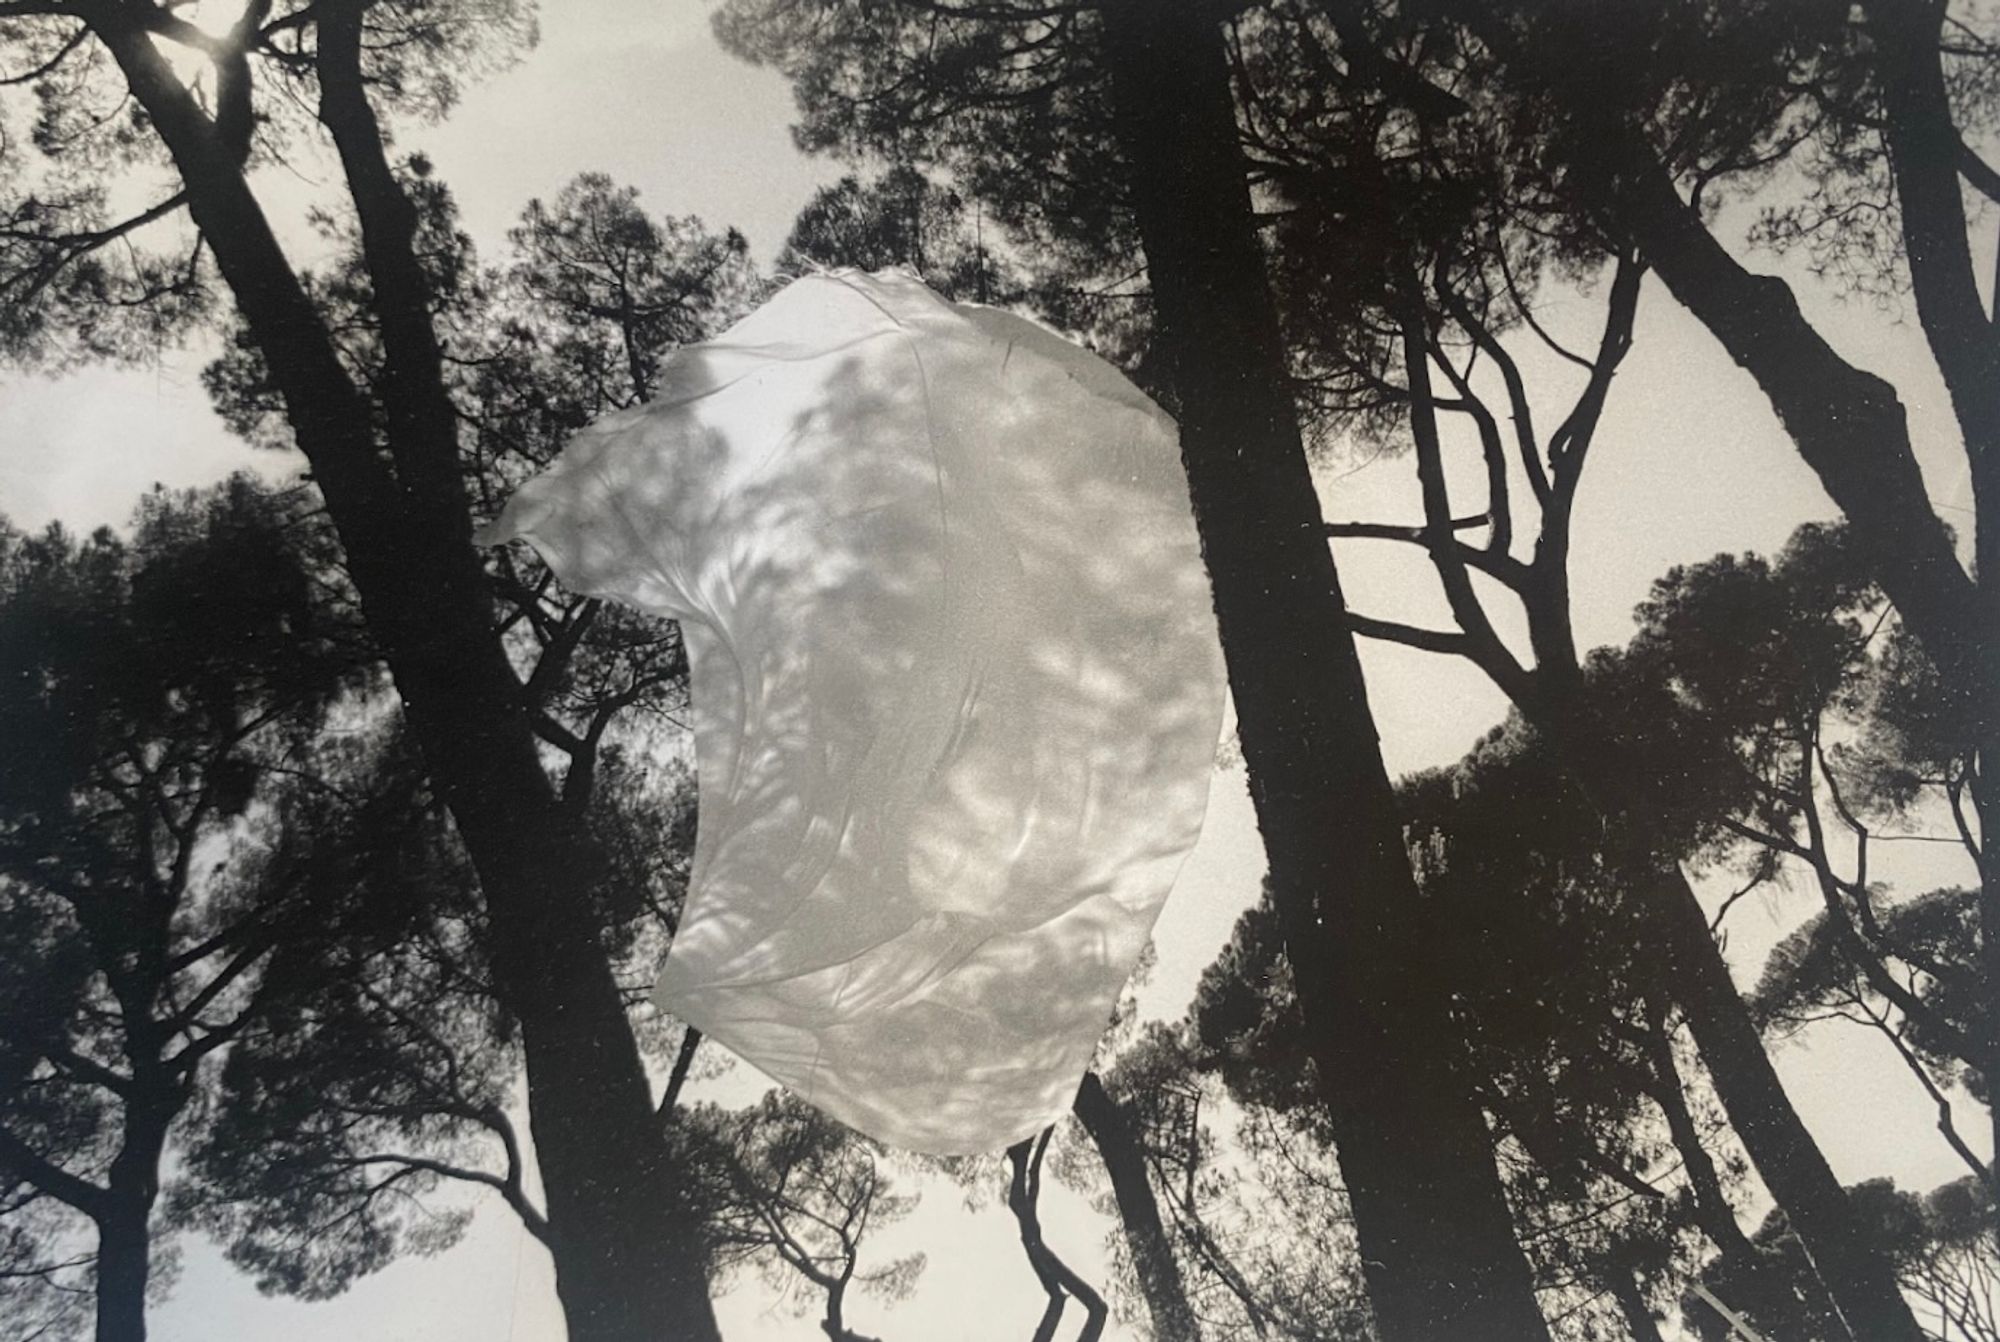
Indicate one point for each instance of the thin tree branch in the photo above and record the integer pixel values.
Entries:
(29, 1164)
(1945, 1126)
(1978, 171)
(88, 1069)
(1428, 640)
(47, 67)
(683, 1061)
(507, 1188)
(1492, 451)
(1502, 568)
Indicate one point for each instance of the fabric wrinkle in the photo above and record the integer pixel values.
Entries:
(956, 690)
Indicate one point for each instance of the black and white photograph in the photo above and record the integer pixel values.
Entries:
(999, 670)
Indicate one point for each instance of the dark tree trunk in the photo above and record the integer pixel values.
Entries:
(1864, 418)
(1713, 1212)
(1436, 1238)
(1059, 1281)
(123, 1213)
(1665, 914)
(1111, 1130)
(1848, 424)
(1925, 155)
(1744, 1274)
(1639, 1320)
(1856, 1274)
(1852, 431)
(834, 1325)
(124, 1264)
(629, 1265)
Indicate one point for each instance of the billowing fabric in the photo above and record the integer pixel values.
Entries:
(956, 690)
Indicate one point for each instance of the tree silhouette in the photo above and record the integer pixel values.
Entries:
(609, 290)
(1113, 1123)
(1881, 105)
(1738, 670)
(1604, 1140)
(1446, 258)
(404, 1084)
(1809, 682)
(899, 219)
(385, 456)
(397, 1077)
(803, 1192)
(1479, 1045)
(1435, 1235)
(1824, 971)
(160, 847)
(1944, 1253)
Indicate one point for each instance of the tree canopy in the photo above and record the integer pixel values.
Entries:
(336, 855)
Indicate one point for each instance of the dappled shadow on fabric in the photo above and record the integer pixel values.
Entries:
(956, 690)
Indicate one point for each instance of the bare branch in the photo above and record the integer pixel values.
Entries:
(1482, 640)
(64, 249)
(29, 1164)
(515, 1193)
(1978, 171)
(556, 656)
(1715, 923)
(1057, 1277)
(683, 1061)
(1498, 512)
(1527, 313)
(508, 1188)
(1501, 568)
(1571, 440)
(1428, 640)
(47, 67)
(1863, 952)
(89, 1069)
(1526, 445)
(1945, 1126)
(557, 735)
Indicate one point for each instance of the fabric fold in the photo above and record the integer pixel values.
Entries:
(955, 690)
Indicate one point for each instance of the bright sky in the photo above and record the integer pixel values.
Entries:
(1690, 461)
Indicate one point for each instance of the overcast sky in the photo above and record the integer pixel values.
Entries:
(1690, 461)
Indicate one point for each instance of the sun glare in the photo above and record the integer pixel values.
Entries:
(213, 17)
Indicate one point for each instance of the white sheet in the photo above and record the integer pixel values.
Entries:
(956, 690)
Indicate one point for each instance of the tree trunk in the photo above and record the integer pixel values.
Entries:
(124, 1214)
(1856, 1274)
(834, 1325)
(1847, 423)
(1744, 1273)
(1639, 1320)
(1111, 1131)
(1851, 429)
(1666, 913)
(1059, 1281)
(1925, 154)
(124, 1264)
(1713, 1212)
(1436, 1239)
(629, 1265)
